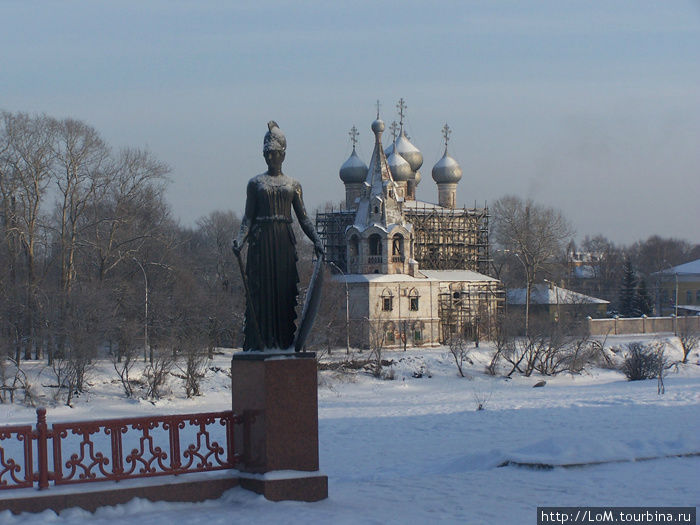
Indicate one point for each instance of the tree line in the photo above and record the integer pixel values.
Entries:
(534, 242)
(92, 259)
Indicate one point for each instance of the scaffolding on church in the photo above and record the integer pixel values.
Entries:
(331, 226)
(450, 239)
(445, 239)
(470, 310)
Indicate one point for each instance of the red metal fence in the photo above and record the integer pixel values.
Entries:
(115, 449)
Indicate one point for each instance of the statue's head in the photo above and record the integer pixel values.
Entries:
(274, 145)
(274, 139)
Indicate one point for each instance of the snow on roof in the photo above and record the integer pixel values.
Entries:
(457, 275)
(689, 307)
(429, 275)
(544, 294)
(687, 268)
(378, 277)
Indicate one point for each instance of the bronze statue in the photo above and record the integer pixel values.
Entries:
(271, 272)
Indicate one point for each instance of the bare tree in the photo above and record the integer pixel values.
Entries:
(126, 354)
(535, 234)
(81, 175)
(129, 211)
(26, 159)
(195, 361)
(156, 373)
(378, 328)
(458, 348)
(689, 337)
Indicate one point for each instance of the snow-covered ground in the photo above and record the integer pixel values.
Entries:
(416, 450)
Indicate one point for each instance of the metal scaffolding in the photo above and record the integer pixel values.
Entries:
(471, 311)
(450, 239)
(331, 226)
(444, 238)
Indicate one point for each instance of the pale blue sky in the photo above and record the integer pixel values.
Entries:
(593, 107)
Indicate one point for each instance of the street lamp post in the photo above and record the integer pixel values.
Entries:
(146, 348)
(675, 316)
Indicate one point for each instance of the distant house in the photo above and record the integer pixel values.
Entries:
(686, 279)
(556, 301)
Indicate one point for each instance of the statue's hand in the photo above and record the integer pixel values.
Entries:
(318, 249)
(236, 247)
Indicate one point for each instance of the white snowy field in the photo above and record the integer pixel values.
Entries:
(415, 450)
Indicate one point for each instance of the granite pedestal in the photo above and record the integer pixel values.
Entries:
(276, 394)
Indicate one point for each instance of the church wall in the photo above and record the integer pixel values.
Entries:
(421, 326)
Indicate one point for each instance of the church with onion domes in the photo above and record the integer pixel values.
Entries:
(416, 272)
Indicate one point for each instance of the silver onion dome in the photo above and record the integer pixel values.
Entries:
(400, 169)
(409, 152)
(353, 169)
(418, 177)
(378, 126)
(447, 170)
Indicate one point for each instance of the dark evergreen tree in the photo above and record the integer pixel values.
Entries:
(628, 290)
(644, 304)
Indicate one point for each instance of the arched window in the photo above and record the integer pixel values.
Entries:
(387, 300)
(375, 244)
(413, 300)
(397, 245)
(354, 246)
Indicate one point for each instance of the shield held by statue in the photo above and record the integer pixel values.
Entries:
(308, 313)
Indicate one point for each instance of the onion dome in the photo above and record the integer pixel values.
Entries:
(447, 170)
(400, 169)
(353, 169)
(418, 178)
(409, 152)
(378, 126)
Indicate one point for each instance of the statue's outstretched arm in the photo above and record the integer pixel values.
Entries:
(306, 225)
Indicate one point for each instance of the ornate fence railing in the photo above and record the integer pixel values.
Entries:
(115, 449)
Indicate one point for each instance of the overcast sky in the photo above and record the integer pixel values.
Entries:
(592, 107)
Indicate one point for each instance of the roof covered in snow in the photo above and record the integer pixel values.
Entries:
(457, 275)
(692, 267)
(546, 294)
(429, 275)
(379, 278)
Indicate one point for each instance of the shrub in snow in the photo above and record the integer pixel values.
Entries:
(460, 352)
(643, 361)
(481, 399)
(389, 374)
(156, 373)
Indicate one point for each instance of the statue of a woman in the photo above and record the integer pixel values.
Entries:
(271, 264)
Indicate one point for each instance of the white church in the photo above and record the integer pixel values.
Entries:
(409, 266)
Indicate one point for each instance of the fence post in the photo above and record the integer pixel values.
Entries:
(42, 448)
(644, 323)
